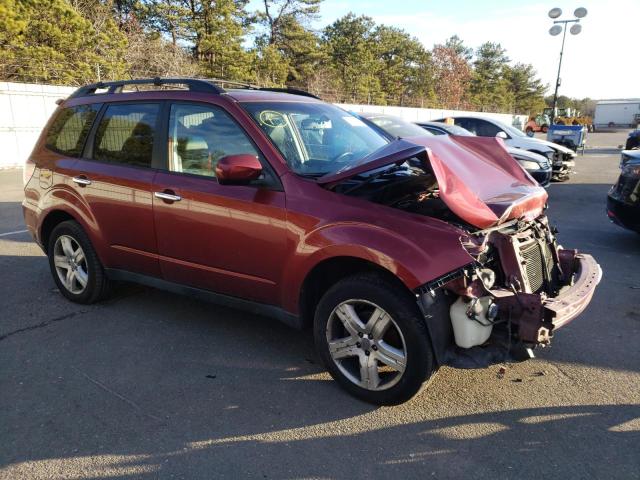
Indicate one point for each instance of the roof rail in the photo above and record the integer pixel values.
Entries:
(293, 91)
(233, 83)
(209, 85)
(193, 84)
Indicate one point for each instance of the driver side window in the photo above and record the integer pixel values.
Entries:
(200, 135)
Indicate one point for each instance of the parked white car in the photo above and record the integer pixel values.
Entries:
(562, 158)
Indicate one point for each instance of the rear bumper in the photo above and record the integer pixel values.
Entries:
(31, 213)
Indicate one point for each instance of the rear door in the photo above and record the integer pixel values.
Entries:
(115, 178)
(225, 238)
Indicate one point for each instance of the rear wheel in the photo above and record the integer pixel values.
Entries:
(74, 264)
(545, 128)
(372, 340)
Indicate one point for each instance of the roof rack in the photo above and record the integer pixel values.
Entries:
(232, 83)
(209, 85)
(293, 91)
(193, 84)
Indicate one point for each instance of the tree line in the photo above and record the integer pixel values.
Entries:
(352, 60)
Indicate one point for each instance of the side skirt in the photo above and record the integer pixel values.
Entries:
(256, 308)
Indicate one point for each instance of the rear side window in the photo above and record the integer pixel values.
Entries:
(126, 133)
(70, 128)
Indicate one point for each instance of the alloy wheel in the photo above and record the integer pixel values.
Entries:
(71, 264)
(366, 344)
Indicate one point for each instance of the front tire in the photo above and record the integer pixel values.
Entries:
(74, 264)
(373, 340)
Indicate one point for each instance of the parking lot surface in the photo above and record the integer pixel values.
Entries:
(153, 385)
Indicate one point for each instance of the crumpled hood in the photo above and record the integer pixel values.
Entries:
(478, 179)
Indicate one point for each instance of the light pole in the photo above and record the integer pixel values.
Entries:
(556, 29)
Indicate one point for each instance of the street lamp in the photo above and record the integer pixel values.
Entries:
(556, 29)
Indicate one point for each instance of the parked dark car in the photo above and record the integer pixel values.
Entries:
(538, 166)
(623, 200)
(402, 255)
(561, 157)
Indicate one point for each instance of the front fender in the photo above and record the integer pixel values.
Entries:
(414, 259)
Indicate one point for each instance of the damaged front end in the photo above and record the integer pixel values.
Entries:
(518, 291)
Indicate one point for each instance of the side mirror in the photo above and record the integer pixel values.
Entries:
(238, 169)
(502, 135)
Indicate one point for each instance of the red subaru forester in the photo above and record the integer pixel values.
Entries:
(403, 254)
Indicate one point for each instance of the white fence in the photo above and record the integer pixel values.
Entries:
(25, 109)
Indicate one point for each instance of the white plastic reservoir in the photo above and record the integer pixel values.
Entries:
(467, 331)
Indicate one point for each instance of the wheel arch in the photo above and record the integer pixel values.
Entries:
(63, 204)
(330, 271)
(50, 221)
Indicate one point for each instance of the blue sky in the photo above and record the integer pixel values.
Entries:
(594, 63)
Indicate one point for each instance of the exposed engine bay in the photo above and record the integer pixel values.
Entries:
(410, 187)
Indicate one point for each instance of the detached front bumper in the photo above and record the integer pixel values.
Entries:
(575, 298)
(538, 315)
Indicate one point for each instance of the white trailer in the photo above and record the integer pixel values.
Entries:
(617, 113)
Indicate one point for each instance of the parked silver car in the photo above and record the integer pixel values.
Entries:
(563, 158)
(538, 166)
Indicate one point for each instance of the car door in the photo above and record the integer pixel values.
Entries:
(115, 178)
(229, 239)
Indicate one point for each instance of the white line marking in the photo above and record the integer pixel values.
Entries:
(13, 233)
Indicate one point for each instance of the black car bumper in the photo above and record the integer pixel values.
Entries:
(543, 177)
(624, 214)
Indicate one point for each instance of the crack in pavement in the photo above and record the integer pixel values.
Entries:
(42, 324)
(128, 401)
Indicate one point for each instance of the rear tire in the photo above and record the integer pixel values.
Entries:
(373, 340)
(74, 264)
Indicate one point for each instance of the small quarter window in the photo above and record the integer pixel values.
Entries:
(70, 128)
(125, 134)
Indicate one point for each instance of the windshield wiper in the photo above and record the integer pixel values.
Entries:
(313, 174)
(374, 176)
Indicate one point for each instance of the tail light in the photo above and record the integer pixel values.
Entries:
(28, 170)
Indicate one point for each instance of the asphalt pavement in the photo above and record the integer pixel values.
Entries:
(154, 385)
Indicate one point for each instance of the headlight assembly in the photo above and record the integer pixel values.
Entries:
(529, 165)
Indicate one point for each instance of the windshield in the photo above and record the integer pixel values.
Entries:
(315, 138)
(396, 126)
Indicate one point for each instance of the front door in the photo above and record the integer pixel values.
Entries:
(225, 238)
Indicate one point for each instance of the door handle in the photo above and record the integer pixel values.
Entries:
(82, 181)
(169, 197)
